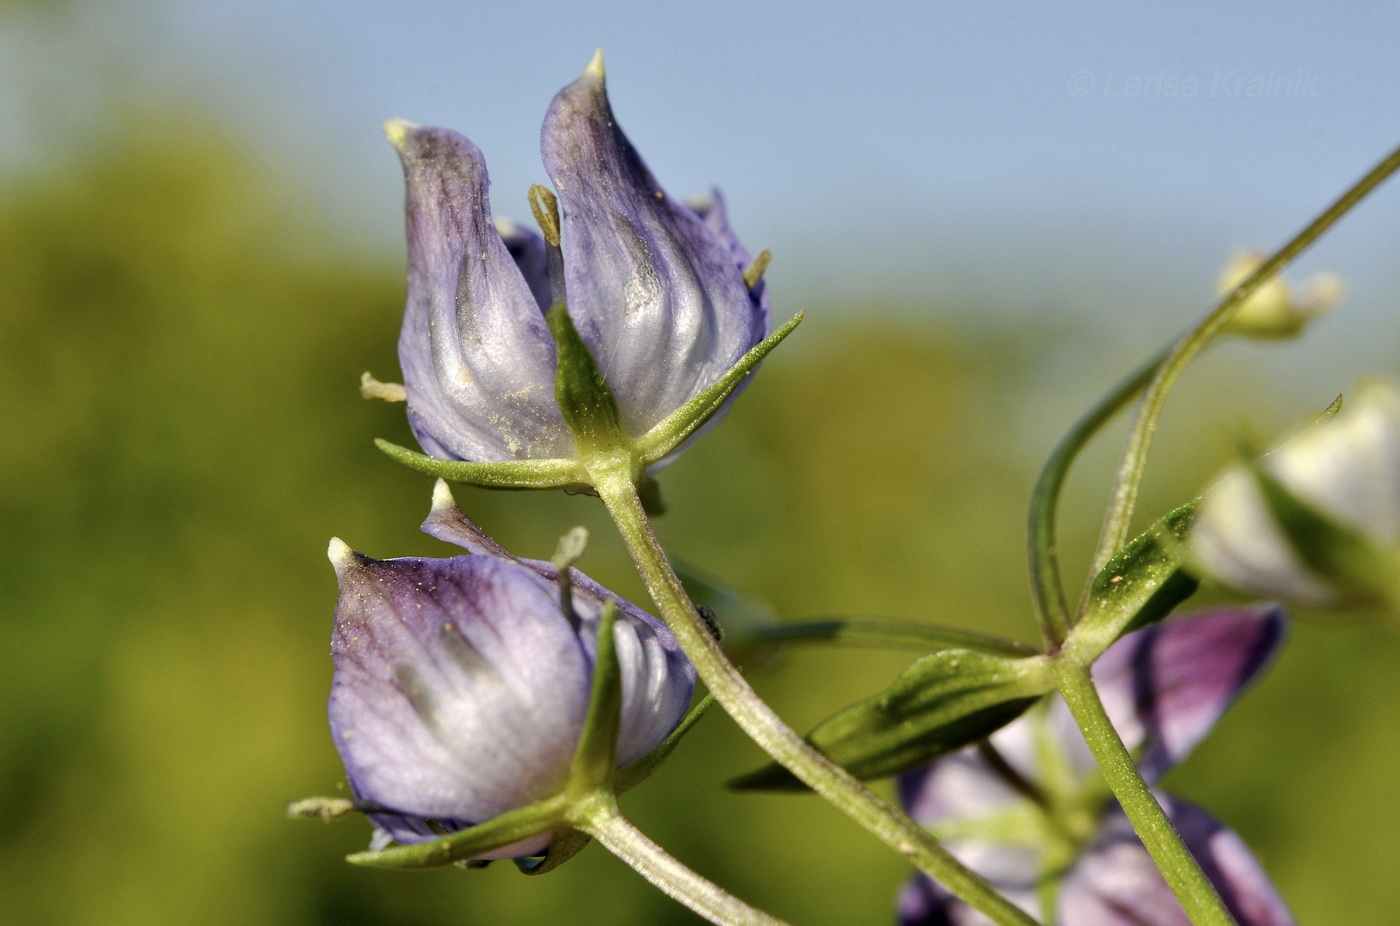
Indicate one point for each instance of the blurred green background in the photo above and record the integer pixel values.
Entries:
(181, 337)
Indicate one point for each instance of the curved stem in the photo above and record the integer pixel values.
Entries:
(613, 483)
(1183, 875)
(1048, 593)
(1130, 470)
(617, 834)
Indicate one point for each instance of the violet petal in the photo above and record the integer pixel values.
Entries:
(1167, 685)
(656, 295)
(1115, 882)
(460, 688)
(477, 358)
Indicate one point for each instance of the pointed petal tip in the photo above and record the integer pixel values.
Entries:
(442, 498)
(396, 131)
(340, 555)
(596, 69)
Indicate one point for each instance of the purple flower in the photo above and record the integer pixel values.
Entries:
(655, 289)
(1030, 812)
(461, 686)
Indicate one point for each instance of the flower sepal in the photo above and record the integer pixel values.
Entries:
(591, 410)
(511, 474)
(496, 833)
(1141, 585)
(673, 430)
(585, 399)
(1358, 570)
(941, 703)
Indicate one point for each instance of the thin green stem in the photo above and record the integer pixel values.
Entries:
(614, 484)
(1149, 412)
(617, 834)
(1183, 875)
(1047, 590)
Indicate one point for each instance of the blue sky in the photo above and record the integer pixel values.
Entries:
(1039, 158)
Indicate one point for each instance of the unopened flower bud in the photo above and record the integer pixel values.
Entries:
(1275, 310)
(461, 686)
(656, 290)
(1343, 476)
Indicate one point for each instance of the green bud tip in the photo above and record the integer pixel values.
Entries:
(571, 547)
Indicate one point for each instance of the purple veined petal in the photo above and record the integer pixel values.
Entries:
(963, 785)
(715, 214)
(477, 357)
(656, 295)
(652, 662)
(447, 523)
(925, 902)
(459, 689)
(961, 789)
(1167, 685)
(1115, 883)
(527, 249)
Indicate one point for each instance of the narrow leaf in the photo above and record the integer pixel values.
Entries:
(940, 703)
(509, 827)
(893, 634)
(668, 433)
(1140, 586)
(595, 760)
(515, 474)
(588, 405)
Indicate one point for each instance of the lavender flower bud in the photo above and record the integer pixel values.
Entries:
(461, 686)
(656, 290)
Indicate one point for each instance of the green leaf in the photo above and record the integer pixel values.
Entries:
(940, 703)
(668, 433)
(509, 827)
(634, 773)
(585, 400)
(1139, 586)
(893, 634)
(515, 474)
(595, 760)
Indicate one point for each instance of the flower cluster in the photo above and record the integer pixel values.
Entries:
(1028, 810)
(494, 697)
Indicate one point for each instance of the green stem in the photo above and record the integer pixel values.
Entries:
(1130, 470)
(1051, 606)
(1183, 875)
(613, 482)
(616, 833)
